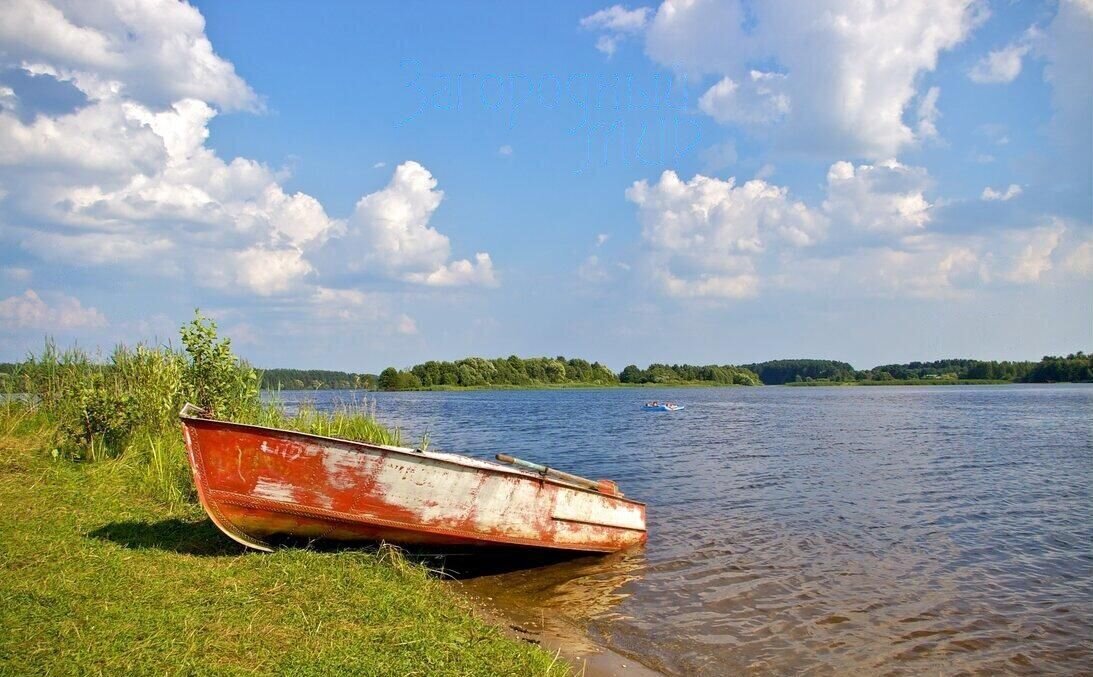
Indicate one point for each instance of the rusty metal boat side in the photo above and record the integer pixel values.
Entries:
(257, 482)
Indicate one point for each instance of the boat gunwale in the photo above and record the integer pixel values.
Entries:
(449, 457)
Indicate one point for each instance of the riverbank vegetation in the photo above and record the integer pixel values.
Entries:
(682, 374)
(1074, 368)
(475, 372)
(316, 379)
(514, 372)
(109, 566)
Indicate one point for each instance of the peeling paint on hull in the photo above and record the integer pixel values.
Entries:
(259, 482)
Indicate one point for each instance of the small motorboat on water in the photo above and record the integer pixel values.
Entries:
(256, 483)
(663, 406)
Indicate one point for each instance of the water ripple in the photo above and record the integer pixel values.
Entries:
(813, 530)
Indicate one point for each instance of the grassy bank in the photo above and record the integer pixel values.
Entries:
(107, 565)
(99, 577)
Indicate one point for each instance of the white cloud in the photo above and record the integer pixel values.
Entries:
(459, 273)
(391, 229)
(708, 238)
(847, 71)
(8, 99)
(758, 99)
(30, 311)
(1025, 256)
(618, 19)
(888, 197)
(923, 267)
(614, 24)
(127, 177)
(269, 271)
(379, 165)
(991, 194)
(702, 235)
(720, 156)
(1080, 260)
(928, 114)
(154, 51)
(505, 151)
(1001, 65)
(601, 239)
(929, 265)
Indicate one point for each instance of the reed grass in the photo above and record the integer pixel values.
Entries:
(126, 407)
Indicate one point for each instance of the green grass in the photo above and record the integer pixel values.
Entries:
(99, 577)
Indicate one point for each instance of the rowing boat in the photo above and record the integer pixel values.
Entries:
(257, 483)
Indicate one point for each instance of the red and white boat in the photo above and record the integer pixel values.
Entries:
(257, 482)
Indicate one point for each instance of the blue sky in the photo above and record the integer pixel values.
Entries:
(352, 186)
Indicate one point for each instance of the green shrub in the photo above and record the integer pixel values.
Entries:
(219, 382)
(128, 406)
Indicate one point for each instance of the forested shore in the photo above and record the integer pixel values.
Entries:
(562, 372)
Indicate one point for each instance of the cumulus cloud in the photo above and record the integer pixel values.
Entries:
(1080, 260)
(920, 267)
(1025, 256)
(704, 234)
(126, 177)
(708, 238)
(887, 197)
(758, 99)
(851, 101)
(935, 265)
(989, 194)
(30, 311)
(153, 51)
(391, 228)
(1000, 65)
(614, 24)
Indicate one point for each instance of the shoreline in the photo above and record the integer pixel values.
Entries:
(558, 636)
(161, 572)
(639, 386)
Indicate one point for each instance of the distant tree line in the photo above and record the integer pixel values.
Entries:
(953, 369)
(778, 372)
(1070, 369)
(316, 379)
(502, 371)
(1076, 367)
(686, 373)
(538, 371)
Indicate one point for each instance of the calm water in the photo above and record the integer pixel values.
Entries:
(884, 530)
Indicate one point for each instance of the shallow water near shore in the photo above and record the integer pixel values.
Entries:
(880, 530)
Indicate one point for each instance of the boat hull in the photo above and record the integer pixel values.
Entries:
(256, 483)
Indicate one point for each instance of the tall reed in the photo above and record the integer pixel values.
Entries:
(127, 407)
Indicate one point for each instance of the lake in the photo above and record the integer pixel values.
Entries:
(821, 529)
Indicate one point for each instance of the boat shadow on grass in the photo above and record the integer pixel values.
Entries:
(200, 537)
(188, 537)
